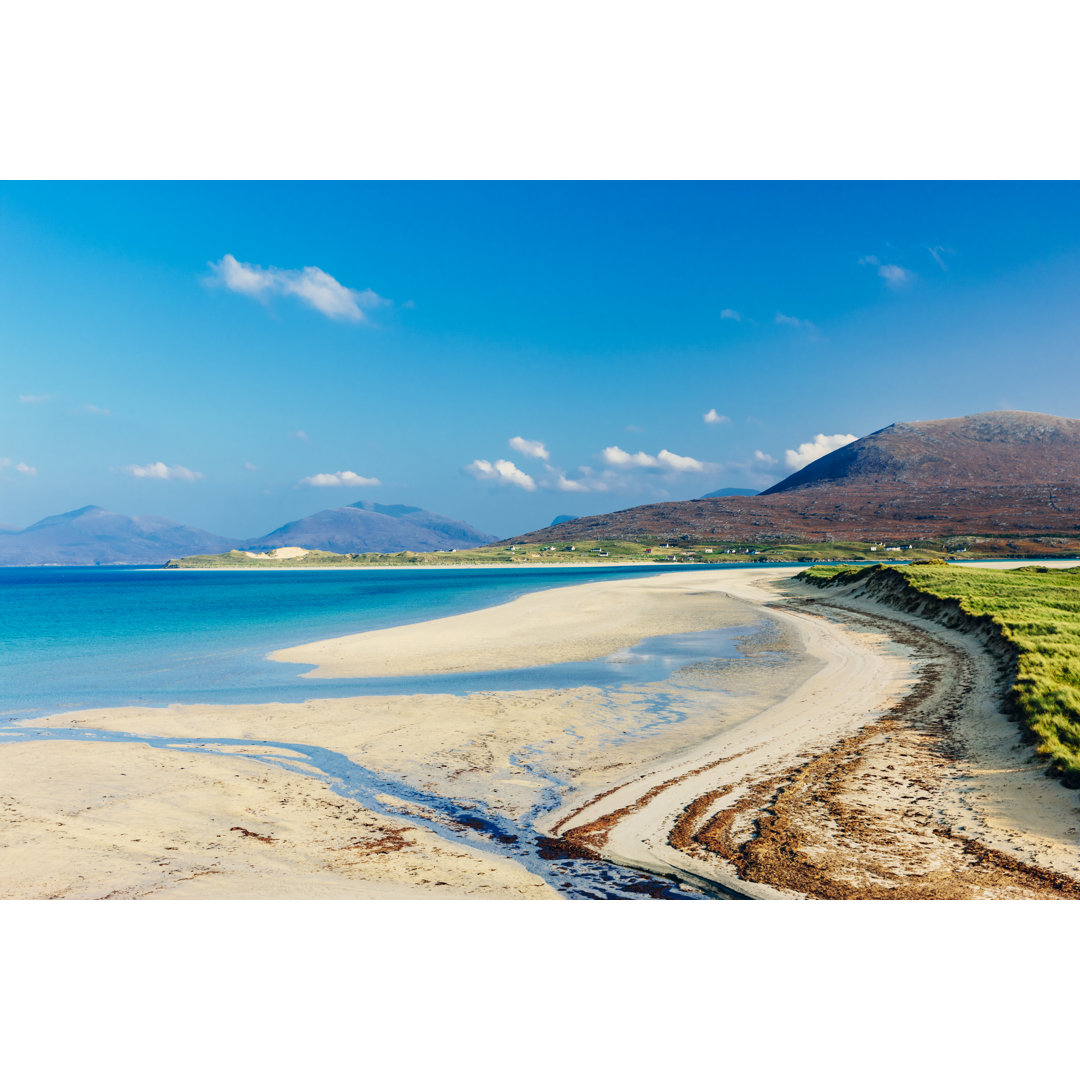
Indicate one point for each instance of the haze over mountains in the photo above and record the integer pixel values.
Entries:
(368, 526)
(996, 473)
(92, 536)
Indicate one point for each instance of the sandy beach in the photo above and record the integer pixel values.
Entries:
(846, 751)
(577, 622)
(890, 772)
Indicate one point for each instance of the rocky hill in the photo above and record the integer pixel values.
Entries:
(986, 450)
(997, 473)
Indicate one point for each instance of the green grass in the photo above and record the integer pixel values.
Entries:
(1037, 610)
(663, 550)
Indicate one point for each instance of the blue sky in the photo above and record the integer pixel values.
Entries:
(235, 355)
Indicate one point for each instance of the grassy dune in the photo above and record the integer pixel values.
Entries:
(1037, 611)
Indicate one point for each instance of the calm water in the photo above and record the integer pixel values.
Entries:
(84, 637)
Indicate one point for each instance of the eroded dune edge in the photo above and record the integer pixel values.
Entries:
(850, 750)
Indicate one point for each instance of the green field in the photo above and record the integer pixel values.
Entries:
(1035, 609)
(659, 551)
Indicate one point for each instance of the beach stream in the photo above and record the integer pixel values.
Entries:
(576, 874)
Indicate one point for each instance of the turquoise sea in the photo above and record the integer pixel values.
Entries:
(83, 637)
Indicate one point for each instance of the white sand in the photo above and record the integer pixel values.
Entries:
(856, 682)
(577, 622)
(99, 820)
(277, 553)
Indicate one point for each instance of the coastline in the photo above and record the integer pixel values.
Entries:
(601, 771)
(823, 795)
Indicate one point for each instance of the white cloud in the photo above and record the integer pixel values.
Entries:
(529, 447)
(243, 277)
(586, 480)
(731, 313)
(800, 324)
(312, 286)
(502, 471)
(26, 470)
(621, 459)
(301, 435)
(97, 410)
(561, 482)
(896, 277)
(613, 455)
(764, 459)
(4, 462)
(158, 470)
(251, 468)
(33, 399)
(818, 447)
(713, 417)
(345, 478)
(678, 463)
(937, 251)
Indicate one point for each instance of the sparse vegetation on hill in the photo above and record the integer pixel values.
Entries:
(1033, 611)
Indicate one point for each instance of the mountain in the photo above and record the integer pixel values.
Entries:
(369, 526)
(985, 449)
(562, 519)
(723, 493)
(1003, 473)
(91, 535)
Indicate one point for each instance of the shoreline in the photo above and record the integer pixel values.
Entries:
(690, 795)
(1063, 562)
(769, 815)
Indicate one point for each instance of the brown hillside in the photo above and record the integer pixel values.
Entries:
(985, 449)
(998, 473)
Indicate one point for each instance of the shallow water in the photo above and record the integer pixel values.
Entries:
(85, 637)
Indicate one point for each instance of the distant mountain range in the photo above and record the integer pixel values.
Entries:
(1005, 473)
(368, 526)
(94, 536)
